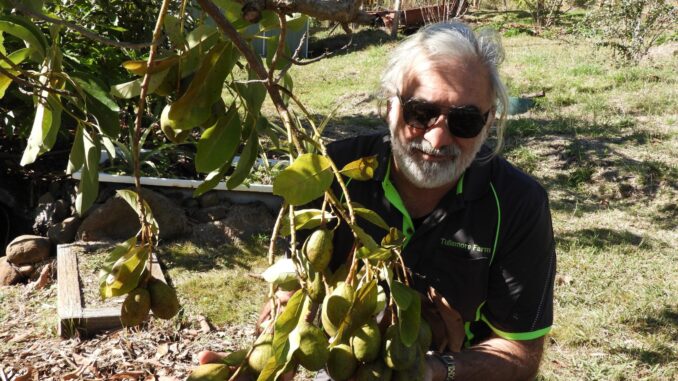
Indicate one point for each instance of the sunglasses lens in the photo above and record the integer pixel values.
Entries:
(420, 115)
(466, 122)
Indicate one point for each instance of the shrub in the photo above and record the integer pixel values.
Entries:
(632, 27)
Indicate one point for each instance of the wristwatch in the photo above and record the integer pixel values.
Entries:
(448, 360)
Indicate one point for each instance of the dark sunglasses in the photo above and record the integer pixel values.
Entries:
(462, 121)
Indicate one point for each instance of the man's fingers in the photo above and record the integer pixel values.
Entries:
(454, 324)
(208, 357)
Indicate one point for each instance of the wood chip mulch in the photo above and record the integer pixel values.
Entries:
(31, 350)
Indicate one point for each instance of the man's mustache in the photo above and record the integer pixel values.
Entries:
(424, 146)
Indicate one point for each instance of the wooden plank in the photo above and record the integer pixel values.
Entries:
(69, 303)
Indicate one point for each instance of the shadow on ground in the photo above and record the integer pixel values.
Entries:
(362, 39)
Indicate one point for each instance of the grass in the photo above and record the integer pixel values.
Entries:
(217, 282)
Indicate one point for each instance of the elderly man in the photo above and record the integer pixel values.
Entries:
(480, 242)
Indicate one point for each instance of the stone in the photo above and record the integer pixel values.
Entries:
(64, 231)
(27, 250)
(209, 214)
(115, 219)
(8, 274)
(209, 199)
(26, 270)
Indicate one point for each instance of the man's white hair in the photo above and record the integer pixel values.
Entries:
(448, 41)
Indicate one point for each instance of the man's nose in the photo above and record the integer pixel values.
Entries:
(438, 135)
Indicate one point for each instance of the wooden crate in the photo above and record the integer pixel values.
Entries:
(74, 318)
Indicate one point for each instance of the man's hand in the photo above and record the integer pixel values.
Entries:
(265, 315)
(494, 359)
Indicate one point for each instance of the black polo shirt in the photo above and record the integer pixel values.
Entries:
(488, 246)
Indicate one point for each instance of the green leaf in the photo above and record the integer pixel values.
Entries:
(100, 104)
(308, 177)
(282, 272)
(254, 94)
(16, 58)
(394, 238)
(124, 275)
(24, 29)
(172, 26)
(218, 144)
(44, 131)
(361, 169)
(380, 254)
(402, 295)
(364, 238)
(247, 160)
(77, 157)
(88, 189)
(193, 107)
(371, 216)
(212, 180)
(132, 89)
(140, 67)
(292, 315)
(409, 320)
(132, 199)
(305, 219)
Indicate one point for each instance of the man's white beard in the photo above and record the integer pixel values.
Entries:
(430, 174)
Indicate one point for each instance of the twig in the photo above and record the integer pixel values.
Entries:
(295, 55)
(85, 32)
(38, 87)
(280, 50)
(324, 55)
(157, 32)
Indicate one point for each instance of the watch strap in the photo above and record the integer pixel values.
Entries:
(448, 360)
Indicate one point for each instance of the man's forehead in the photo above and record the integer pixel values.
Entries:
(458, 75)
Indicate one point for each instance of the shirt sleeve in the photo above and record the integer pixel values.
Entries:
(519, 303)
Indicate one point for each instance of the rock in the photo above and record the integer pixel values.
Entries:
(26, 270)
(209, 199)
(115, 219)
(27, 250)
(64, 232)
(210, 214)
(8, 274)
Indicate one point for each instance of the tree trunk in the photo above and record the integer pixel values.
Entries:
(396, 19)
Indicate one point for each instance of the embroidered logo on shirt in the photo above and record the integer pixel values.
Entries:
(465, 246)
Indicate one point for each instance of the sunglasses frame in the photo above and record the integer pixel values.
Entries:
(453, 114)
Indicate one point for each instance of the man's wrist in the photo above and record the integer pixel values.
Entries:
(447, 362)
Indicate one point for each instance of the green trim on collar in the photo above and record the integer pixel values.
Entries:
(496, 234)
(460, 184)
(517, 335)
(393, 197)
